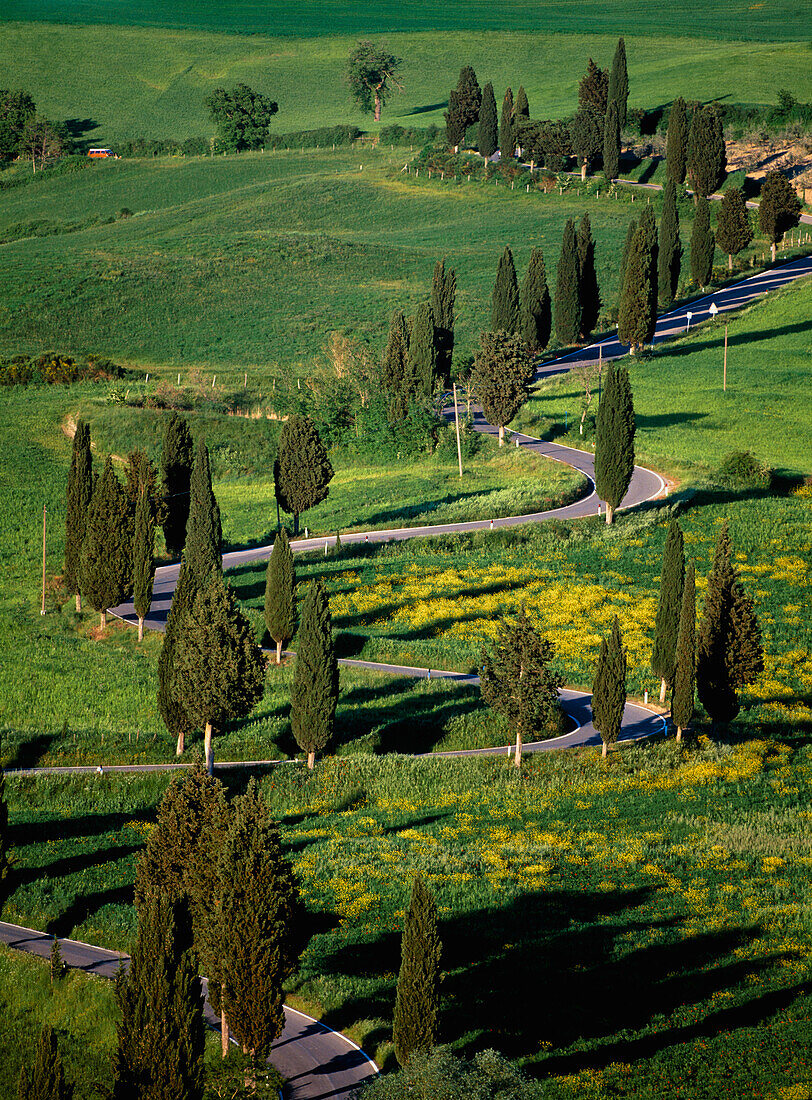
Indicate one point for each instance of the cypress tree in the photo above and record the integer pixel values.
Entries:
(702, 244)
(463, 106)
(106, 558)
(637, 316)
(443, 292)
(666, 624)
(422, 362)
(505, 299)
(5, 861)
(779, 209)
(521, 111)
(670, 256)
(218, 674)
(315, 677)
(418, 993)
(143, 559)
(729, 648)
(609, 688)
(488, 140)
(516, 681)
(261, 917)
(160, 1035)
(567, 291)
(614, 439)
(682, 696)
(79, 492)
(588, 289)
(204, 534)
(648, 226)
(733, 229)
(593, 89)
(394, 367)
(302, 471)
(535, 318)
(46, 1081)
(176, 473)
(611, 143)
(624, 259)
(280, 594)
(500, 376)
(618, 90)
(706, 159)
(677, 142)
(170, 709)
(507, 146)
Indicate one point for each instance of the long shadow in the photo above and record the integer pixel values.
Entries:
(741, 338)
(649, 170)
(28, 753)
(667, 420)
(82, 907)
(77, 128)
(59, 868)
(402, 725)
(424, 109)
(35, 832)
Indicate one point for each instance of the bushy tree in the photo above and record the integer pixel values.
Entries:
(702, 244)
(507, 145)
(280, 594)
(614, 439)
(16, 111)
(706, 159)
(143, 559)
(779, 209)
(161, 1032)
(176, 472)
(418, 988)
(588, 289)
(535, 315)
(505, 299)
(567, 290)
(682, 696)
(618, 89)
(733, 229)
(219, 670)
(422, 360)
(440, 1075)
(593, 89)
(500, 376)
(106, 558)
(670, 255)
(46, 1080)
(586, 134)
(730, 652)
(609, 688)
(517, 682)
(521, 109)
(676, 157)
(611, 143)
(77, 504)
(488, 139)
(443, 293)
(315, 678)
(302, 471)
(463, 106)
(666, 623)
(242, 117)
(372, 75)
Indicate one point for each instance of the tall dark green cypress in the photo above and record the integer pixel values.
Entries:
(733, 229)
(637, 314)
(677, 142)
(666, 623)
(611, 142)
(170, 709)
(619, 82)
(670, 257)
(463, 106)
(703, 244)
(588, 289)
(143, 558)
(422, 362)
(521, 111)
(488, 140)
(315, 679)
(394, 367)
(77, 503)
(730, 651)
(609, 688)
(204, 534)
(505, 298)
(682, 696)
(261, 919)
(648, 226)
(706, 159)
(567, 291)
(280, 593)
(176, 472)
(507, 145)
(418, 992)
(106, 558)
(160, 1035)
(443, 293)
(614, 439)
(536, 315)
(46, 1081)
(624, 259)
(302, 471)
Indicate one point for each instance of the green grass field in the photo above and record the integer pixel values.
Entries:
(132, 81)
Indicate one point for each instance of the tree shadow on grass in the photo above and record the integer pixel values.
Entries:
(424, 109)
(397, 719)
(35, 832)
(29, 752)
(85, 905)
(752, 336)
(70, 865)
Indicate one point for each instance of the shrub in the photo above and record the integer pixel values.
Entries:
(411, 135)
(320, 138)
(742, 470)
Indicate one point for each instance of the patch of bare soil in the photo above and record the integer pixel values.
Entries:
(757, 159)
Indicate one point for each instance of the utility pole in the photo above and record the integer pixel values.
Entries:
(457, 424)
(44, 524)
(724, 369)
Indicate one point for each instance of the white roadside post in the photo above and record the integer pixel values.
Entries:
(689, 315)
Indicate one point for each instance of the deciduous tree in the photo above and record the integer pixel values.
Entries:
(373, 74)
(242, 117)
(609, 688)
(682, 696)
(106, 558)
(500, 376)
(733, 229)
(302, 471)
(77, 504)
(488, 139)
(418, 988)
(315, 678)
(666, 623)
(16, 109)
(614, 439)
(567, 290)
(535, 319)
(280, 594)
(505, 299)
(779, 209)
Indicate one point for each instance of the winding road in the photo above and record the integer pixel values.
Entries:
(321, 1064)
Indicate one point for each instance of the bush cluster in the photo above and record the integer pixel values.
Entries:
(321, 138)
(55, 368)
(742, 470)
(408, 135)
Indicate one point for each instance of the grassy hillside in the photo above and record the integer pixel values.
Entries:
(124, 82)
(777, 20)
